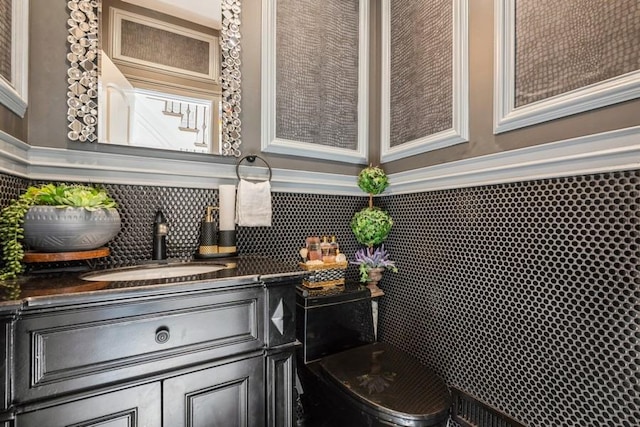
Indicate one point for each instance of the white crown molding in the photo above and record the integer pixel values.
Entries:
(14, 92)
(459, 132)
(507, 117)
(86, 166)
(269, 142)
(604, 152)
(13, 156)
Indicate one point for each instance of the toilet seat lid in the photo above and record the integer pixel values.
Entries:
(389, 383)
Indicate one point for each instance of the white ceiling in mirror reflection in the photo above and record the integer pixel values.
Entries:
(203, 12)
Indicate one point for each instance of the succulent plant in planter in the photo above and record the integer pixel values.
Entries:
(55, 218)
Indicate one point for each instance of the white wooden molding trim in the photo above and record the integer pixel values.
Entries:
(604, 152)
(14, 93)
(507, 117)
(269, 142)
(86, 166)
(459, 133)
(13, 156)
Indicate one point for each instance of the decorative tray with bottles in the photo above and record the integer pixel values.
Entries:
(324, 275)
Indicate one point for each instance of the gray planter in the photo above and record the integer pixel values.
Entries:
(51, 229)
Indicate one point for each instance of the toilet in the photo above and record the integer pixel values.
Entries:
(347, 379)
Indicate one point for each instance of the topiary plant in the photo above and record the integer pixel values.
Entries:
(372, 180)
(371, 226)
(12, 217)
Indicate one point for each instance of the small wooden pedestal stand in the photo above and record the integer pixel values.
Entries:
(36, 257)
(43, 285)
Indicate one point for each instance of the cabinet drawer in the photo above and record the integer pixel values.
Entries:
(63, 351)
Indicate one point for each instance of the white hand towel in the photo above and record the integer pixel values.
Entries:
(253, 204)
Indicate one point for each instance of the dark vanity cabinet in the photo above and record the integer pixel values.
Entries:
(191, 357)
(280, 333)
(7, 319)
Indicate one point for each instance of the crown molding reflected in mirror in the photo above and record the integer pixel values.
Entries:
(82, 74)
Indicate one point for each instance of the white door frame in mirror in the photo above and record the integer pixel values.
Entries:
(82, 75)
(507, 117)
(459, 132)
(270, 142)
(13, 88)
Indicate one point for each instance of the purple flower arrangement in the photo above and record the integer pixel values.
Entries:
(368, 259)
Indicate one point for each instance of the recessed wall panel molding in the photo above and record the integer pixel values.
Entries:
(425, 92)
(14, 45)
(315, 78)
(135, 41)
(554, 59)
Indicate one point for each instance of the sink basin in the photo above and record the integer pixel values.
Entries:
(153, 272)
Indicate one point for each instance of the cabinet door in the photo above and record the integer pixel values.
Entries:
(6, 346)
(132, 407)
(280, 398)
(230, 394)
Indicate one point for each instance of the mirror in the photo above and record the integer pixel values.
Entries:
(205, 110)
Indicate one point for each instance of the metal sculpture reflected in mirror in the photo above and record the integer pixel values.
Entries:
(189, 99)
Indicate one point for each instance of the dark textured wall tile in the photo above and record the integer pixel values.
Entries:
(524, 295)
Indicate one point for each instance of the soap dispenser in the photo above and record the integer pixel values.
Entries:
(208, 235)
(160, 231)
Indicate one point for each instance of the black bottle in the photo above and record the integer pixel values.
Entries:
(160, 231)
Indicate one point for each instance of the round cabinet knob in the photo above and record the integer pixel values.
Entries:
(162, 335)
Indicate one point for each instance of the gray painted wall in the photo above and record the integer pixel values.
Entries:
(47, 125)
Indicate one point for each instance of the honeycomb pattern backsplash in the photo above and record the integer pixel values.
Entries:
(525, 295)
(295, 216)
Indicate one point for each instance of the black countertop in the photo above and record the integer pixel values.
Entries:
(57, 287)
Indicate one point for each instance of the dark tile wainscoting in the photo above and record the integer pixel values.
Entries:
(524, 295)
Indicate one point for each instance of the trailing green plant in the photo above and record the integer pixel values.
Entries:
(367, 259)
(60, 195)
(11, 233)
(371, 226)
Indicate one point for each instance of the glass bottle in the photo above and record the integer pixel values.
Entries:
(335, 248)
(313, 248)
(325, 246)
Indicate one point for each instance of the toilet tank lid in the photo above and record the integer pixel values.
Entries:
(389, 383)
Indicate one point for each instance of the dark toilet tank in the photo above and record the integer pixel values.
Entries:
(331, 323)
(336, 331)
